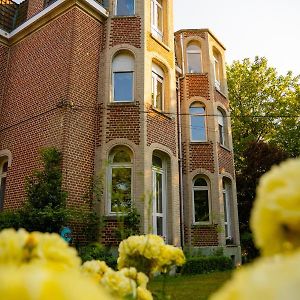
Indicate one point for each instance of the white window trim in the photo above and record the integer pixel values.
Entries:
(202, 188)
(154, 17)
(224, 128)
(157, 78)
(194, 52)
(205, 127)
(117, 166)
(217, 72)
(113, 87)
(116, 10)
(163, 172)
(226, 200)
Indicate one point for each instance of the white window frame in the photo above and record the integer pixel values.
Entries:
(155, 6)
(201, 188)
(226, 202)
(222, 124)
(123, 67)
(205, 127)
(193, 52)
(112, 165)
(3, 175)
(157, 76)
(116, 9)
(162, 171)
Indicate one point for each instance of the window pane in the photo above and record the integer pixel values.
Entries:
(5, 167)
(198, 130)
(123, 86)
(159, 226)
(2, 191)
(221, 134)
(194, 65)
(159, 18)
(159, 94)
(157, 162)
(159, 200)
(200, 182)
(121, 156)
(125, 7)
(121, 189)
(201, 206)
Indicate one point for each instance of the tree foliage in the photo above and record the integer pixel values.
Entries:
(265, 106)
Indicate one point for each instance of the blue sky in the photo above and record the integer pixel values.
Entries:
(269, 28)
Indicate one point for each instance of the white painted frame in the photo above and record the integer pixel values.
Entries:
(205, 123)
(155, 6)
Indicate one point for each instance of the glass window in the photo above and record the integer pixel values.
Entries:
(227, 209)
(123, 78)
(3, 174)
(120, 180)
(157, 18)
(197, 120)
(125, 8)
(217, 64)
(201, 201)
(157, 87)
(221, 128)
(194, 58)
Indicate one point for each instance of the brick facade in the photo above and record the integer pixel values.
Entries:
(197, 86)
(201, 156)
(225, 158)
(204, 236)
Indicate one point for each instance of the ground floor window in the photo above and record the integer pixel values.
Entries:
(201, 201)
(3, 174)
(227, 209)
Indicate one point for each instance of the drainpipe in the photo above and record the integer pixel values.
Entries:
(180, 143)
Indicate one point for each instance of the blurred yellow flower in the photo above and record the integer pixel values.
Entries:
(37, 282)
(269, 278)
(143, 294)
(95, 269)
(275, 219)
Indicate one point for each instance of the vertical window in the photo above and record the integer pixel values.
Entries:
(201, 201)
(222, 128)
(120, 180)
(3, 174)
(157, 87)
(217, 64)
(123, 78)
(227, 209)
(125, 8)
(157, 18)
(194, 58)
(197, 120)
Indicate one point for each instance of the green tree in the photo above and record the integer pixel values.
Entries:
(264, 106)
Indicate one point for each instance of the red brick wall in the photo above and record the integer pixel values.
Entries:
(225, 158)
(58, 62)
(197, 86)
(123, 121)
(3, 68)
(34, 7)
(201, 156)
(162, 130)
(108, 235)
(203, 236)
(218, 97)
(125, 30)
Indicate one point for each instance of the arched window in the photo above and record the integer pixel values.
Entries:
(222, 128)
(194, 58)
(218, 72)
(157, 87)
(227, 209)
(120, 180)
(3, 174)
(157, 18)
(198, 124)
(125, 7)
(201, 201)
(123, 77)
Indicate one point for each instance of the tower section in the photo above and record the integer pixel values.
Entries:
(206, 153)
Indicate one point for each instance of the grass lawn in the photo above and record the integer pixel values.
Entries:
(198, 287)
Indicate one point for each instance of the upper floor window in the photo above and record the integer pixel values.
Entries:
(3, 174)
(125, 8)
(222, 128)
(217, 64)
(120, 180)
(157, 18)
(194, 58)
(197, 122)
(201, 201)
(227, 209)
(123, 77)
(157, 87)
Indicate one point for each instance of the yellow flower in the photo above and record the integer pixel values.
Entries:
(275, 219)
(170, 256)
(269, 278)
(95, 269)
(143, 294)
(142, 280)
(36, 282)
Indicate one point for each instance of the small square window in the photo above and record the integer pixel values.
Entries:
(125, 8)
(123, 86)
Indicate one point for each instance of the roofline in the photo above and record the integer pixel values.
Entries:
(201, 30)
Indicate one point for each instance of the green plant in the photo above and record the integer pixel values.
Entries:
(9, 219)
(207, 264)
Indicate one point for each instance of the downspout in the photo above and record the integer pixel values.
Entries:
(180, 144)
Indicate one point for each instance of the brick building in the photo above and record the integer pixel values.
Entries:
(104, 82)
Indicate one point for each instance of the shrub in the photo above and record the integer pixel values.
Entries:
(207, 264)
(9, 219)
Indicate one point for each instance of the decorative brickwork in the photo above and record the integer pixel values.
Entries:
(123, 121)
(125, 30)
(197, 85)
(204, 236)
(225, 158)
(162, 130)
(201, 156)
(99, 124)
(194, 34)
(218, 97)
